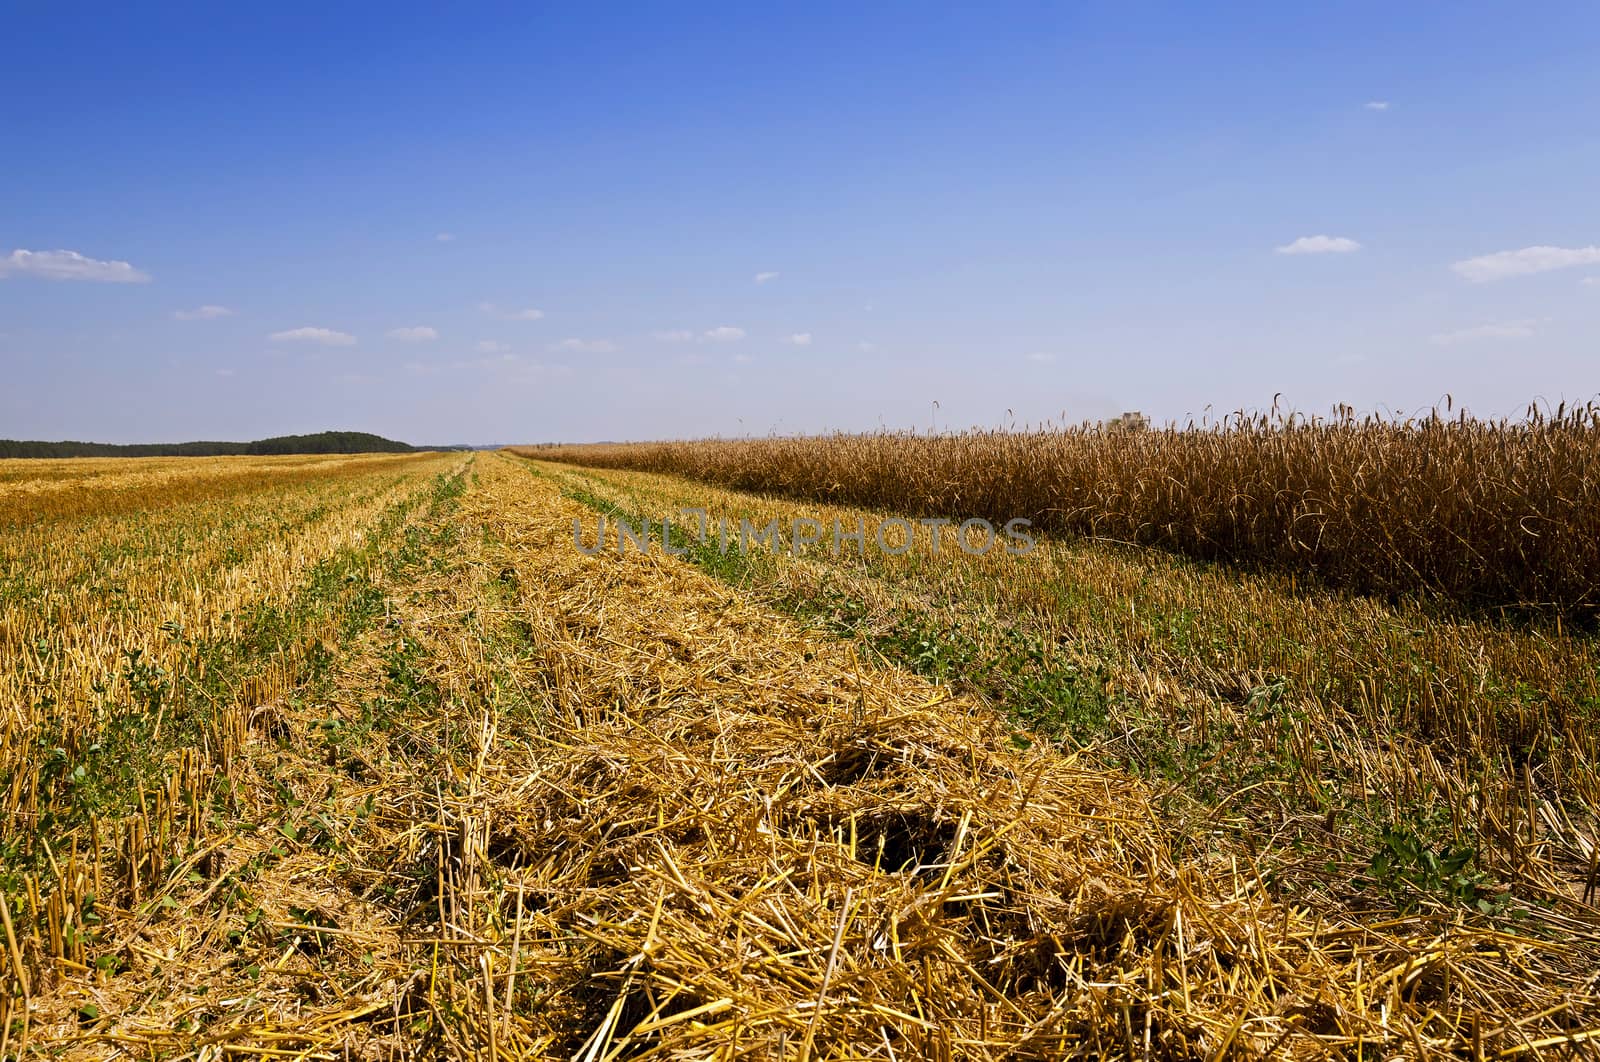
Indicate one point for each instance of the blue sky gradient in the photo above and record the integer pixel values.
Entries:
(1020, 212)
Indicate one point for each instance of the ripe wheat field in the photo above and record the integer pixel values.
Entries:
(1280, 744)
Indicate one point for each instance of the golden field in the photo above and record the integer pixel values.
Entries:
(1486, 515)
(362, 758)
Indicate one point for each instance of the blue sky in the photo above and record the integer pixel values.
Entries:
(518, 224)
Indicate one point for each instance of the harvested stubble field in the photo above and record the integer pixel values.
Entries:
(361, 758)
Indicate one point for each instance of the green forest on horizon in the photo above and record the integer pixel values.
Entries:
(322, 442)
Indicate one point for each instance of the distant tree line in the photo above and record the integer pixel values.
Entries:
(323, 442)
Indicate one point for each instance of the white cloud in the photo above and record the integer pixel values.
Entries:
(762, 278)
(445, 237)
(1591, 282)
(1528, 260)
(585, 346)
(68, 265)
(1320, 245)
(1493, 330)
(202, 313)
(742, 359)
(799, 339)
(224, 372)
(414, 334)
(724, 334)
(674, 335)
(529, 314)
(326, 336)
(491, 346)
(1042, 358)
(865, 347)
(1377, 105)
